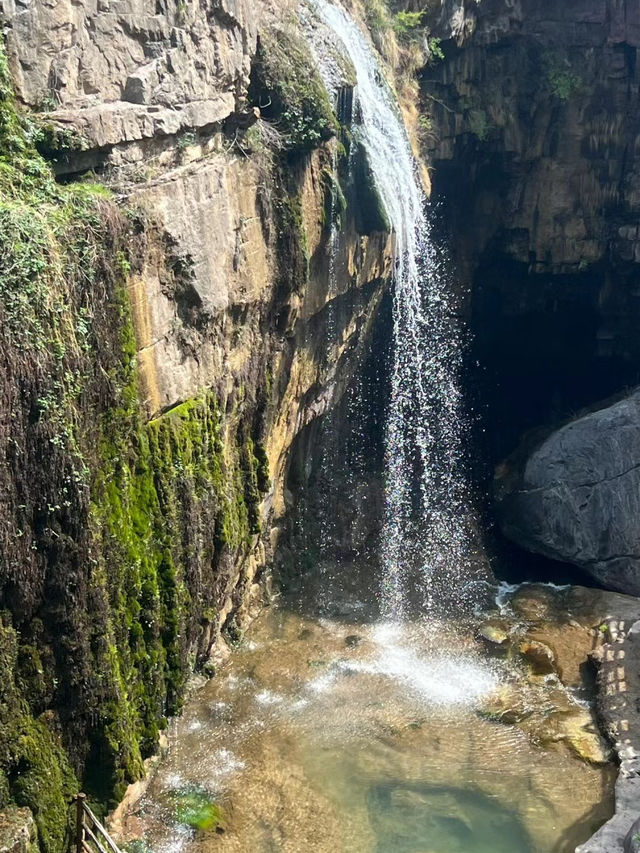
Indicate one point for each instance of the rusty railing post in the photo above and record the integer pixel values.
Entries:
(80, 822)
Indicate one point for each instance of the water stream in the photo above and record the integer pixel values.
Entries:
(426, 494)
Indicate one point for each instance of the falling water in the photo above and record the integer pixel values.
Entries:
(426, 514)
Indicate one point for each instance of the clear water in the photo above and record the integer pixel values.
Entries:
(329, 731)
(426, 492)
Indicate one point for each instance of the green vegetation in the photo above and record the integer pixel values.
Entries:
(149, 476)
(561, 80)
(435, 50)
(54, 142)
(34, 769)
(377, 15)
(371, 210)
(406, 24)
(287, 87)
(195, 808)
(293, 250)
(116, 538)
(335, 203)
(479, 124)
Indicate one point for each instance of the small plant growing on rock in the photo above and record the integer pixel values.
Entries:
(406, 24)
(561, 80)
(479, 124)
(435, 51)
(377, 14)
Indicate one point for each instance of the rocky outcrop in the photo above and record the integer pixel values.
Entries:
(576, 497)
(130, 74)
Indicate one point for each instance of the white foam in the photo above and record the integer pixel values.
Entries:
(176, 842)
(223, 765)
(266, 697)
(441, 678)
(504, 593)
(174, 780)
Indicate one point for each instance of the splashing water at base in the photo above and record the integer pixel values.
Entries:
(426, 493)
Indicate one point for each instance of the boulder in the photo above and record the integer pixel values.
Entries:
(576, 496)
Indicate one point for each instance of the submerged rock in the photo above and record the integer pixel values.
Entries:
(507, 705)
(493, 632)
(583, 738)
(538, 656)
(194, 807)
(535, 602)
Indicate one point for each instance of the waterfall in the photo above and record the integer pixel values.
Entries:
(425, 539)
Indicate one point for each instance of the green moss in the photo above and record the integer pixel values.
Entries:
(479, 123)
(148, 474)
(34, 770)
(293, 250)
(407, 25)
(127, 524)
(262, 467)
(561, 79)
(195, 808)
(335, 203)
(377, 15)
(287, 88)
(55, 142)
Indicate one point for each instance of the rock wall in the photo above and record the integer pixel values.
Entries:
(131, 74)
(530, 121)
(531, 125)
(181, 329)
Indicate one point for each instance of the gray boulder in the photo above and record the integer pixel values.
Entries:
(576, 496)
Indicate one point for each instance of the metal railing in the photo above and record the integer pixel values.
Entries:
(91, 836)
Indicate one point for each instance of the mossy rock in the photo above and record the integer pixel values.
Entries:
(34, 769)
(287, 88)
(194, 807)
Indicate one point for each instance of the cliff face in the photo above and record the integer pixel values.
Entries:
(532, 127)
(166, 341)
(128, 76)
(535, 104)
(533, 133)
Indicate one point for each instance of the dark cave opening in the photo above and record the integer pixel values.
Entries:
(540, 352)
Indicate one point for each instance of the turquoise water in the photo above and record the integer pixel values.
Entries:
(413, 818)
